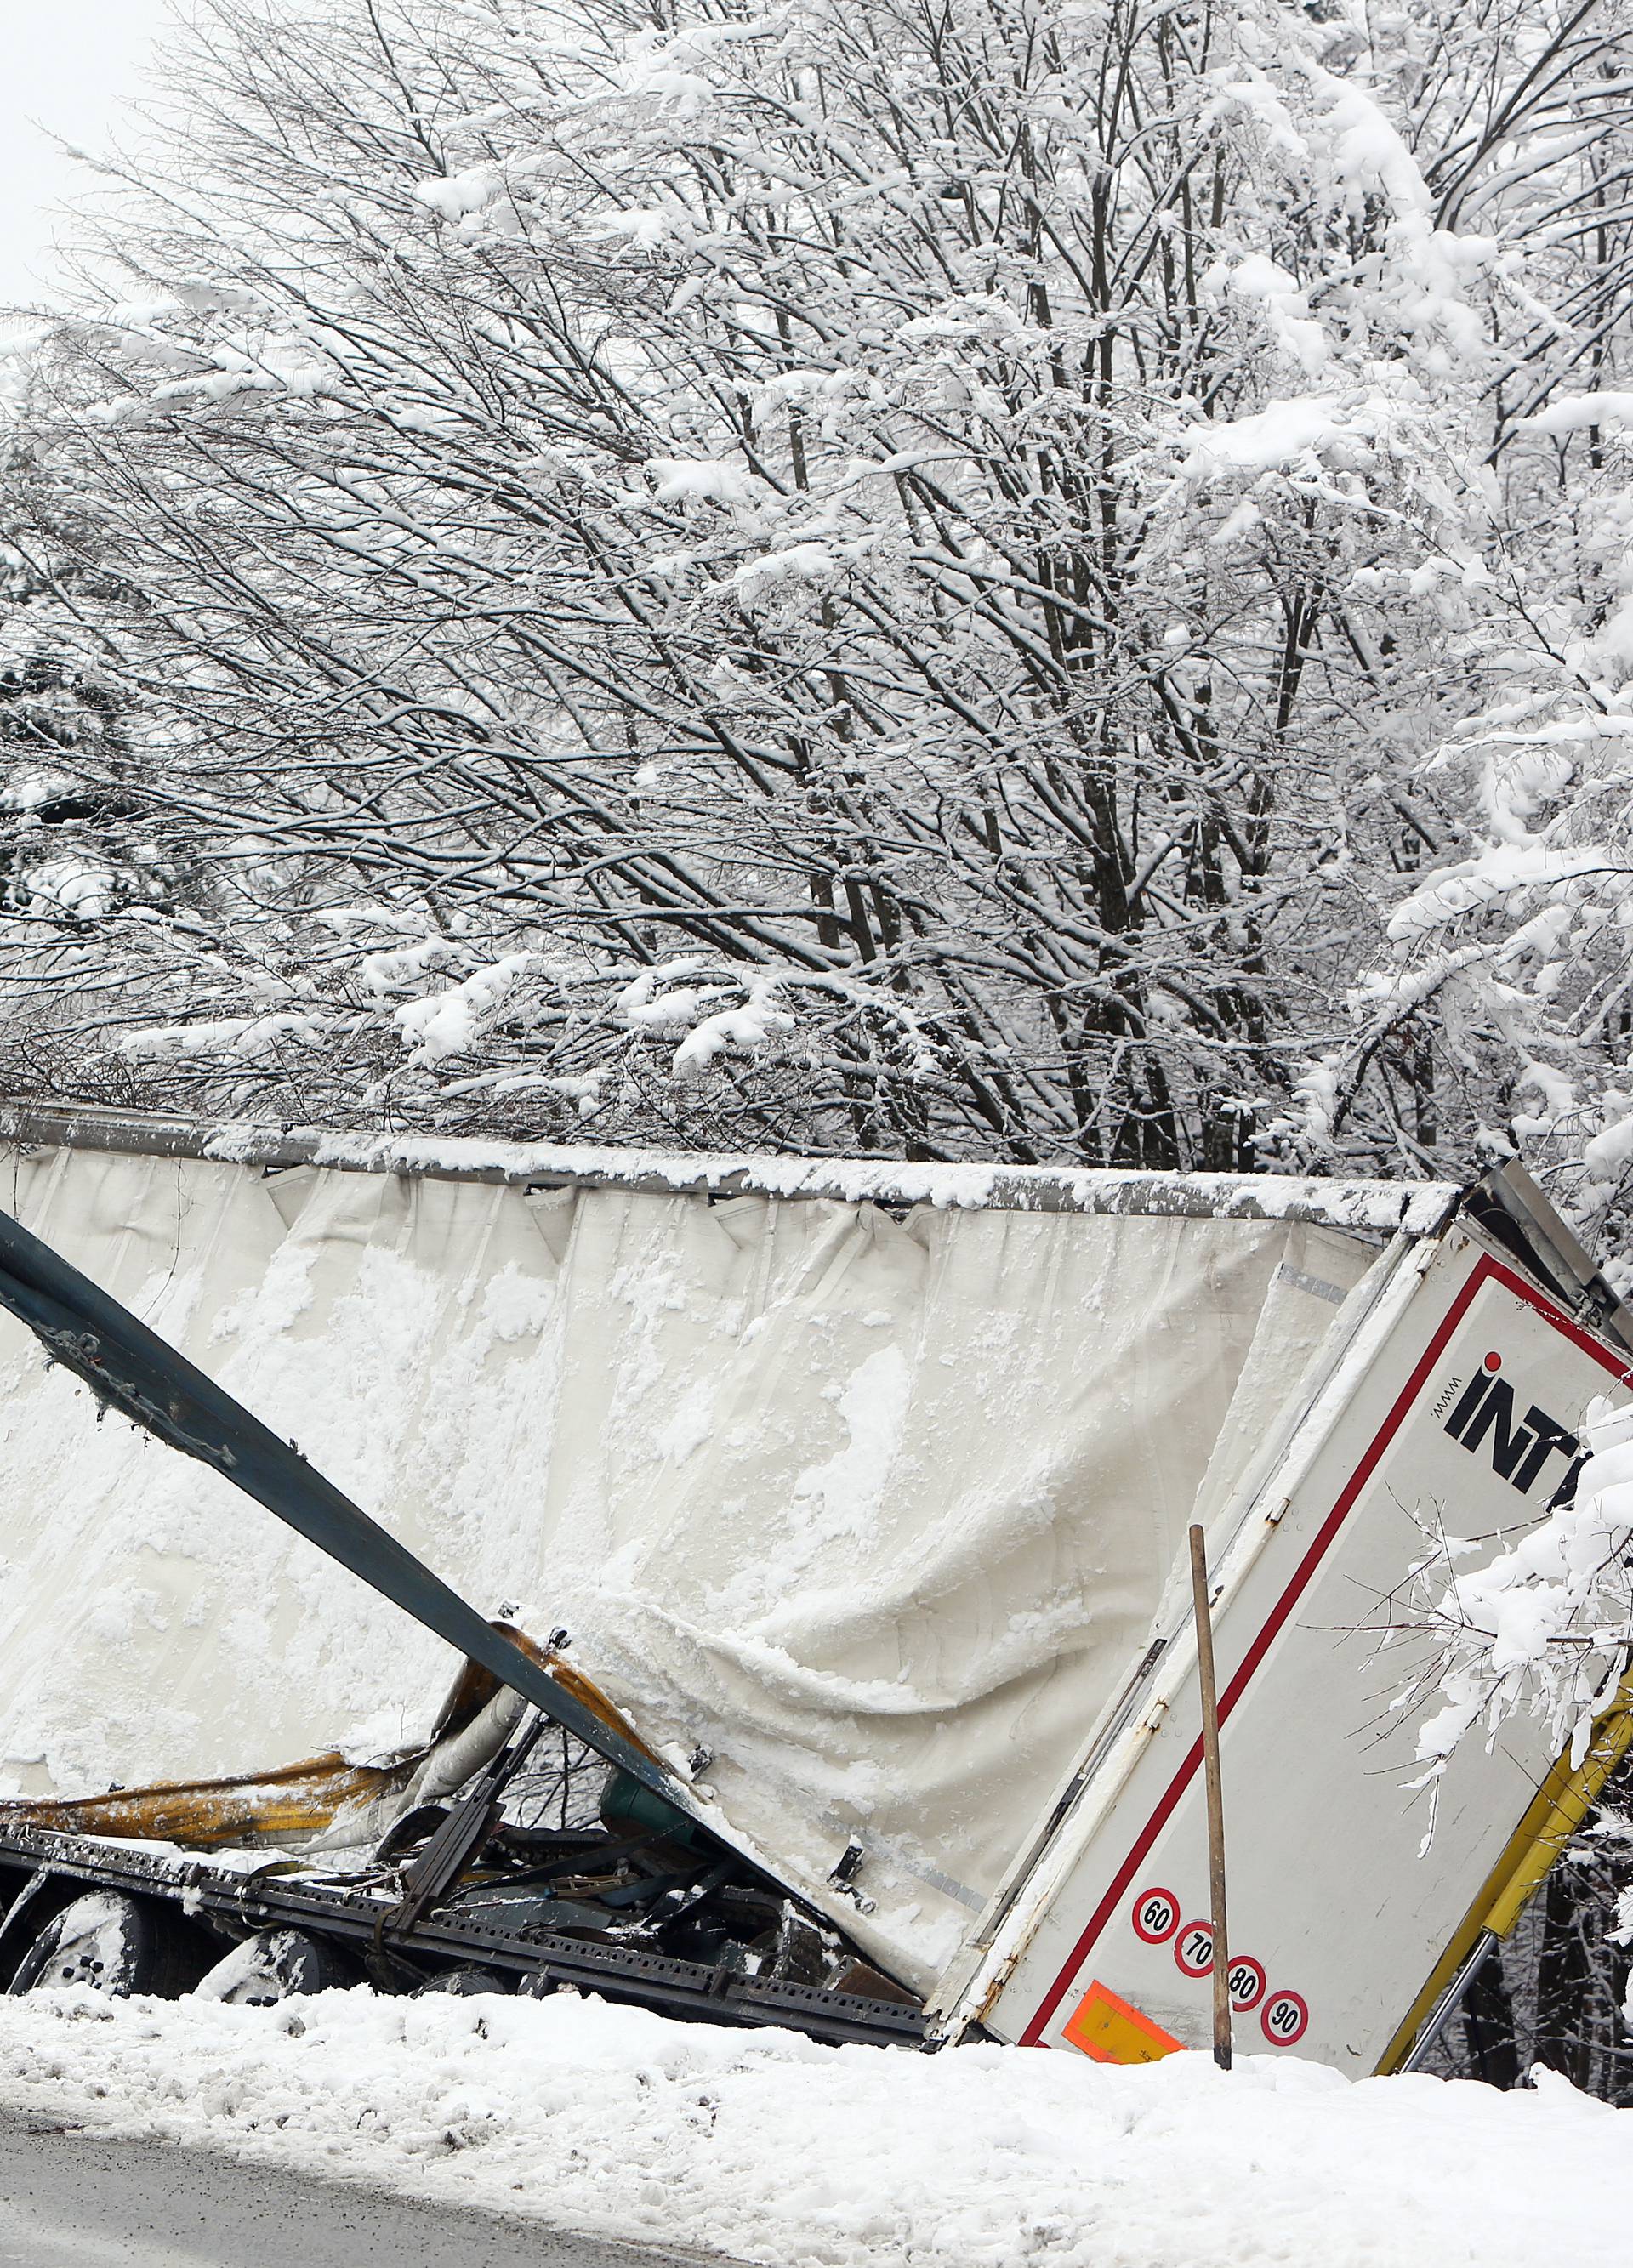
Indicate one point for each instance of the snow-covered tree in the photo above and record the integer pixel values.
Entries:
(82, 853)
(1504, 958)
(878, 576)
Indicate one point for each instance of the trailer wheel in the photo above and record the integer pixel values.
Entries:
(464, 1983)
(275, 1964)
(106, 1942)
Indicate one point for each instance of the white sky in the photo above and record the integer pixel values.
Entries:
(69, 67)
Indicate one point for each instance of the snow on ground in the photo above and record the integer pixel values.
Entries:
(770, 2149)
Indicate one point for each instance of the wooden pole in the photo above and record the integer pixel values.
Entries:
(1216, 1798)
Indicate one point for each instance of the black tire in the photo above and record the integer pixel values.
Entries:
(464, 1984)
(106, 1942)
(275, 1964)
(416, 1826)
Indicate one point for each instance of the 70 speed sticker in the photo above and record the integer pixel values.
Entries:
(1284, 2016)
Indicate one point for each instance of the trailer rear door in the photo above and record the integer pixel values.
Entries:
(1455, 1412)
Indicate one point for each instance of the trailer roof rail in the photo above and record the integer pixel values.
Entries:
(1362, 1207)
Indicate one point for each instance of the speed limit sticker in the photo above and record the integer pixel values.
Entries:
(1193, 1949)
(1247, 1982)
(1156, 1916)
(1285, 2019)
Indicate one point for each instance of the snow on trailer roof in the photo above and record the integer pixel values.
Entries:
(1372, 1207)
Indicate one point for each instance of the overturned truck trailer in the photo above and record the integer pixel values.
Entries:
(852, 1501)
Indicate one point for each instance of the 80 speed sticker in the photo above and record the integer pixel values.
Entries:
(1247, 1982)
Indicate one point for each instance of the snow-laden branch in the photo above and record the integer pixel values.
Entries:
(1545, 1625)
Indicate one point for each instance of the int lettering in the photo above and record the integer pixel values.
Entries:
(1482, 1416)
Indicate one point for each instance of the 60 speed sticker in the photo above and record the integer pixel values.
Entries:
(1156, 1916)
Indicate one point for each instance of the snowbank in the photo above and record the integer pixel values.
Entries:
(771, 2149)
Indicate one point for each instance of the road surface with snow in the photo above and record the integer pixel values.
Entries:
(68, 2200)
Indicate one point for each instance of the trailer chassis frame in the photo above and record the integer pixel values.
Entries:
(237, 1905)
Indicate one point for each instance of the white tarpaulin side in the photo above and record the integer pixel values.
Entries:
(875, 1513)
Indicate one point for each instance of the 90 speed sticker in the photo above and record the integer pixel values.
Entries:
(1286, 2018)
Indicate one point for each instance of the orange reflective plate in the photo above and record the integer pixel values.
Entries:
(1106, 2027)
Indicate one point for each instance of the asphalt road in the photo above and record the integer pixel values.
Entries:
(74, 2200)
